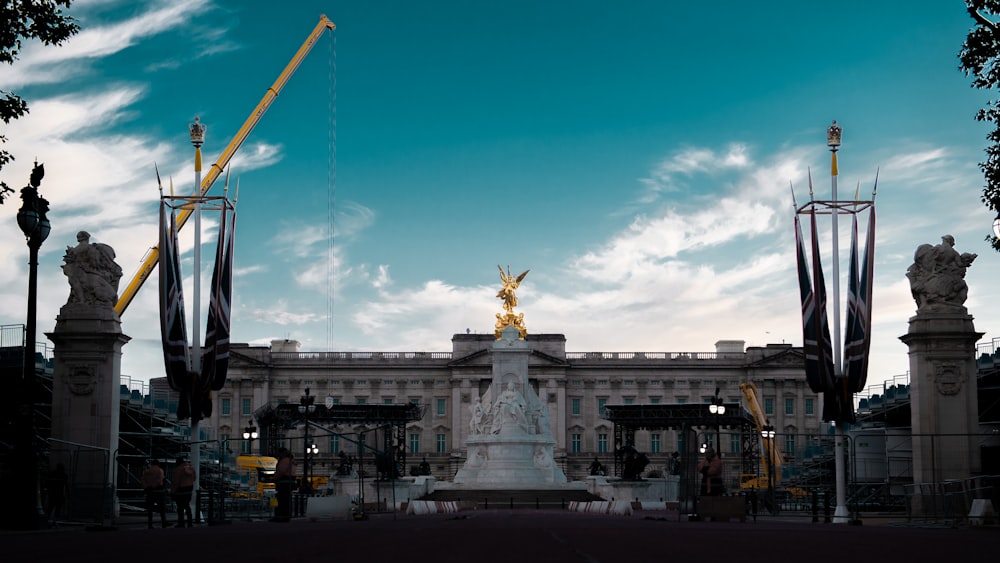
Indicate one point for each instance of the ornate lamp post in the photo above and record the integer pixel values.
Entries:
(306, 407)
(250, 434)
(767, 433)
(312, 450)
(717, 409)
(33, 222)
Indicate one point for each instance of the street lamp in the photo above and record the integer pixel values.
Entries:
(250, 434)
(306, 406)
(767, 433)
(717, 409)
(33, 222)
(996, 225)
(312, 450)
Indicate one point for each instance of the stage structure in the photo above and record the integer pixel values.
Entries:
(687, 419)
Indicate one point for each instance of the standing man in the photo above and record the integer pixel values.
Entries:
(284, 477)
(182, 488)
(711, 474)
(152, 483)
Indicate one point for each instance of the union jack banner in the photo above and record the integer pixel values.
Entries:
(859, 308)
(173, 329)
(215, 359)
(816, 342)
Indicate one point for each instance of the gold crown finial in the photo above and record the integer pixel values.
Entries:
(833, 135)
(197, 130)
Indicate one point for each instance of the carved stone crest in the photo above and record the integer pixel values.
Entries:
(948, 377)
(82, 380)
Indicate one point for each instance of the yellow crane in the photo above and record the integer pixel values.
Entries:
(152, 256)
(771, 450)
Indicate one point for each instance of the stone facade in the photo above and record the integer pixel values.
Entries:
(573, 385)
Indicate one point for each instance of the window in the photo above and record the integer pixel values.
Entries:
(654, 443)
(415, 401)
(441, 406)
(247, 405)
(227, 406)
(362, 400)
(441, 443)
(681, 400)
(600, 406)
(574, 443)
(680, 442)
(629, 400)
(654, 400)
(789, 406)
(810, 409)
(245, 446)
(602, 443)
(387, 400)
(224, 439)
(768, 405)
(335, 400)
(574, 405)
(334, 445)
(414, 443)
(734, 443)
(790, 444)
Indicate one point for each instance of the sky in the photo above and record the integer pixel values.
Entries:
(638, 157)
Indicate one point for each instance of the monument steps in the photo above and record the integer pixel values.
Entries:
(513, 498)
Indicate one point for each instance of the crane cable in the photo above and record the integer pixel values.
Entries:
(331, 186)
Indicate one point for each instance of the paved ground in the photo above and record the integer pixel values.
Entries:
(508, 536)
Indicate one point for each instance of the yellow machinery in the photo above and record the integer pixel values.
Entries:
(152, 257)
(259, 470)
(772, 453)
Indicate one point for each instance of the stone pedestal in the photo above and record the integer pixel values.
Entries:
(943, 395)
(86, 394)
(512, 445)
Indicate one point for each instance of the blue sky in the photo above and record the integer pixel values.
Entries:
(635, 156)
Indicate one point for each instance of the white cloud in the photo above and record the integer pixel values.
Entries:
(41, 64)
(279, 314)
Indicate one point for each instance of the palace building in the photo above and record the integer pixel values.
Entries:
(574, 386)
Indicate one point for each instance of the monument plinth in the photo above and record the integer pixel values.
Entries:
(942, 343)
(510, 442)
(86, 375)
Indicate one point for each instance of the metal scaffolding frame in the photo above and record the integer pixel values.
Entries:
(275, 421)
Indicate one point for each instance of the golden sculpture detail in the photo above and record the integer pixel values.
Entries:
(509, 295)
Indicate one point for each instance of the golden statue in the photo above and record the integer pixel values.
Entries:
(509, 296)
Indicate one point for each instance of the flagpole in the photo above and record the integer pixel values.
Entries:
(197, 131)
(840, 515)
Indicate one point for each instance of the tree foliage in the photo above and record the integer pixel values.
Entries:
(25, 20)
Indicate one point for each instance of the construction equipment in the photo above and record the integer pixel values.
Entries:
(259, 473)
(773, 457)
(152, 256)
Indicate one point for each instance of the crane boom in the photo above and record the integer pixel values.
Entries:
(152, 256)
(774, 456)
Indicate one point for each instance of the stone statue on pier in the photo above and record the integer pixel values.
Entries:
(937, 277)
(92, 272)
